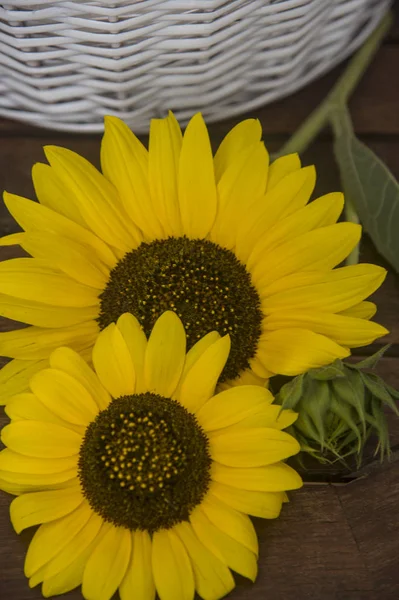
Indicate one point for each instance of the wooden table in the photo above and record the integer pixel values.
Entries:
(332, 542)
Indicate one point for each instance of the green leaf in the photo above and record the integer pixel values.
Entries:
(371, 361)
(369, 185)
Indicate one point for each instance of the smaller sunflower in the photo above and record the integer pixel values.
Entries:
(140, 477)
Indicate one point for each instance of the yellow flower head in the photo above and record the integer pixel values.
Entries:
(227, 242)
(140, 477)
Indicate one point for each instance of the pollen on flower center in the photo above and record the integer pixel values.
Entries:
(204, 284)
(144, 463)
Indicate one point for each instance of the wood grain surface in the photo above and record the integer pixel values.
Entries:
(332, 542)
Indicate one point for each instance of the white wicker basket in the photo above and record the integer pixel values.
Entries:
(64, 64)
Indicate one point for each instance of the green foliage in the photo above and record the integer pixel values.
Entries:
(371, 191)
(339, 407)
(369, 186)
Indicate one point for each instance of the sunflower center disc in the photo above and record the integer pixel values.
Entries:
(144, 463)
(204, 284)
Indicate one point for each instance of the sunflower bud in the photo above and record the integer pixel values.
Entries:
(339, 407)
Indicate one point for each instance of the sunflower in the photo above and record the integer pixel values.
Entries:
(227, 242)
(141, 478)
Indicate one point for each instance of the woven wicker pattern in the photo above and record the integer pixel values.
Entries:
(64, 64)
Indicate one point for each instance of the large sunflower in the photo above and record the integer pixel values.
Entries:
(140, 477)
(229, 243)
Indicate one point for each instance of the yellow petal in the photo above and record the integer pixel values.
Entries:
(239, 138)
(51, 193)
(25, 483)
(270, 416)
(212, 577)
(196, 183)
(28, 406)
(321, 249)
(171, 566)
(338, 290)
(136, 343)
(251, 447)
(320, 213)
(84, 540)
(164, 154)
(33, 279)
(233, 405)
(247, 377)
(231, 522)
(45, 315)
(200, 381)
(288, 196)
(124, 161)
(37, 343)
(363, 310)
(272, 478)
(240, 186)
(194, 354)
(64, 396)
(95, 197)
(70, 362)
(294, 351)
(291, 282)
(52, 537)
(43, 440)
(35, 217)
(281, 167)
(42, 507)
(223, 546)
(138, 582)
(13, 239)
(266, 505)
(165, 355)
(75, 260)
(113, 363)
(107, 564)
(18, 463)
(347, 331)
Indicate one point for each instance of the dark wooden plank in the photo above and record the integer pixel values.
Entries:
(371, 507)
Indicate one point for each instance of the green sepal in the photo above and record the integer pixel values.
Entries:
(378, 389)
(351, 390)
(291, 393)
(371, 361)
(336, 369)
(317, 405)
(344, 412)
(305, 424)
(380, 424)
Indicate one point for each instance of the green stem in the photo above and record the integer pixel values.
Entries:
(340, 93)
(341, 123)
